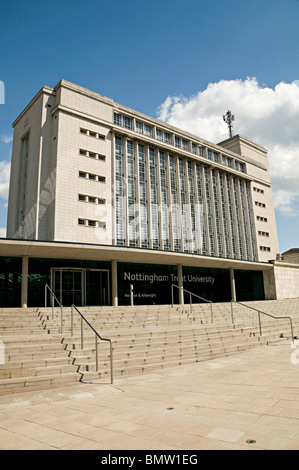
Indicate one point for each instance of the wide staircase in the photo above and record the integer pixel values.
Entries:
(40, 349)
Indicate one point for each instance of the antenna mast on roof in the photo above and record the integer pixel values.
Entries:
(229, 118)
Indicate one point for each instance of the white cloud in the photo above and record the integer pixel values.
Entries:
(268, 116)
(7, 139)
(2, 232)
(4, 179)
(286, 202)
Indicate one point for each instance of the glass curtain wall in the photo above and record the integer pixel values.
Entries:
(177, 204)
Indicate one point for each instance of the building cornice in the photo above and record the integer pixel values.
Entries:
(44, 90)
(80, 251)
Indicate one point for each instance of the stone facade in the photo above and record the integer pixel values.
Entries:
(78, 157)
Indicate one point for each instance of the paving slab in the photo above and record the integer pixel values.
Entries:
(246, 401)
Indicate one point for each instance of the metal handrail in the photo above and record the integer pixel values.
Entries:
(264, 313)
(191, 294)
(97, 335)
(47, 287)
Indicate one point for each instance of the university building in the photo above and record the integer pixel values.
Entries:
(105, 201)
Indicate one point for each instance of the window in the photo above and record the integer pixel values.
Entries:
(92, 223)
(148, 130)
(144, 129)
(197, 150)
(181, 143)
(261, 219)
(91, 133)
(123, 121)
(91, 199)
(213, 156)
(258, 190)
(264, 234)
(265, 248)
(227, 161)
(163, 136)
(119, 190)
(92, 177)
(87, 153)
(240, 166)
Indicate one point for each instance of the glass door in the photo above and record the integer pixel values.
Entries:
(97, 287)
(81, 286)
(68, 286)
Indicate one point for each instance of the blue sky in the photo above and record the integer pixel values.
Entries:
(151, 56)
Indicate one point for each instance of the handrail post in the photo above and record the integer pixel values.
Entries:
(111, 362)
(52, 301)
(292, 331)
(81, 333)
(96, 340)
(53, 306)
(72, 321)
(61, 317)
(181, 296)
(269, 315)
(232, 312)
(97, 356)
(260, 323)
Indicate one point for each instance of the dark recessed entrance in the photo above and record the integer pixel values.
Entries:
(81, 286)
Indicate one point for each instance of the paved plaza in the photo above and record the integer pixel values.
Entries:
(246, 401)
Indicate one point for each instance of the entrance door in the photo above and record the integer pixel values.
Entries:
(69, 286)
(81, 286)
(97, 287)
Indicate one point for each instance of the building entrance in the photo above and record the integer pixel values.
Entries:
(81, 286)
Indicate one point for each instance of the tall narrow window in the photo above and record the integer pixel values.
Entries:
(245, 220)
(210, 212)
(23, 183)
(154, 199)
(231, 215)
(194, 230)
(119, 193)
(164, 202)
(217, 214)
(174, 205)
(251, 226)
(225, 216)
(131, 193)
(142, 197)
(184, 206)
(201, 211)
(239, 218)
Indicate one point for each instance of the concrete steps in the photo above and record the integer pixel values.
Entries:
(144, 339)
(34, 359)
